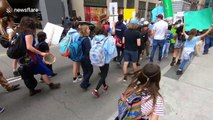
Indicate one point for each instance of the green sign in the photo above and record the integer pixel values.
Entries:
(168, 10)
(199, 20)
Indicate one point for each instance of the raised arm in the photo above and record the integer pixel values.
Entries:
(184, 32)
(207, 32)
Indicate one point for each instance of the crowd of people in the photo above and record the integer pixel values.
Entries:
(122, 42)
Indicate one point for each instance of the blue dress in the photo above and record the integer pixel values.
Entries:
(39, 67)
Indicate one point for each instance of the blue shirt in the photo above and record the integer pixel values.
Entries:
(191, 43)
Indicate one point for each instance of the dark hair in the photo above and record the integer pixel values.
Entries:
(27, 25)
(75, 25)
(66, 17)
(120, 18)
(169, 27)
(3, 25)
(41, 36)
(148, 79)
(192, 33)
(100, 30)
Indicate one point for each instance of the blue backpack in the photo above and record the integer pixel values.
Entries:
(130, 109)
(64, 45)
(76, 52)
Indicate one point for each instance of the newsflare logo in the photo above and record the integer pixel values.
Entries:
(26, 9)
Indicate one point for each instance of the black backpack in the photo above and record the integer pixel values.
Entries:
(5, 43)
(17, 47)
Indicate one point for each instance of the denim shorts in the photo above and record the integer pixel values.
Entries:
(130, 56)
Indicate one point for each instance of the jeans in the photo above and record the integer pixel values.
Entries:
(208, 43)
(184, 62)
(166, 47)
(104, 71)
(157, 43)
(87, 73)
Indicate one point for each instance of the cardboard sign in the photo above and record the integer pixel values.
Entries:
(53, 33)
(199, 20)
(129, 13)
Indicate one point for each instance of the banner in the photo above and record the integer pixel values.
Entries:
(199, 20)
(156, 11)
(168, 9)
(129, 13)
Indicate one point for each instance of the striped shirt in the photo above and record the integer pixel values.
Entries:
(147, 107)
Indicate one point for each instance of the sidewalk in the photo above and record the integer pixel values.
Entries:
(190, 97)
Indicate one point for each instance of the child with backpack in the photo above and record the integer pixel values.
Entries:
(102, 52)
(86, 65)
(189, 46)
(142, 100)
(44, 47)
(169, 36)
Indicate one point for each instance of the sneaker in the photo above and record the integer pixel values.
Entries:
(13, 88)
(205, 53)
(33, 92)
(106, 88)
(179, 72)
(124, 79)
(16, 73)
(78, 79)
(2, 109)
(95, 93)
(54, 85)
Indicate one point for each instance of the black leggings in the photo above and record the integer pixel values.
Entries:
(104, 71)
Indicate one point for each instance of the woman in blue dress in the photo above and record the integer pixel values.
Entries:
(27, 28)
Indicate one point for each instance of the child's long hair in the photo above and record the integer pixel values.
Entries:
(148, 80)
(3, 25)
(192, 33)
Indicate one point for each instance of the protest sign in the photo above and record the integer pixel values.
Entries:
(53, 33)
(199, 20)
(129, 13)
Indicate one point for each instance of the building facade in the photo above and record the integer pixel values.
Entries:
(90, 10)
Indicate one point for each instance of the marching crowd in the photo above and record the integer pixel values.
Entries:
(123, 42)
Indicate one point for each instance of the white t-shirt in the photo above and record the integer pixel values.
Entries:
(160, 29)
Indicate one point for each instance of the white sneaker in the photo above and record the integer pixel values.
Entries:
(79, 79)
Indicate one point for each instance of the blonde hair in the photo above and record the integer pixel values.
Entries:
(83, 30)
(132, 26)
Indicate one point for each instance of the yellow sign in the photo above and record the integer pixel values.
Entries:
(129, 13)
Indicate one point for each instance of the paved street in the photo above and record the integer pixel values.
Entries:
(70, 102)
(188, 97)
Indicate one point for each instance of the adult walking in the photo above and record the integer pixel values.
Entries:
(158, 33)
(120, 28)
(131, 41)
(27, 29)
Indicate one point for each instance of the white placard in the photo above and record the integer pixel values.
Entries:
(113, 8)
(53, 33)
(113, 20)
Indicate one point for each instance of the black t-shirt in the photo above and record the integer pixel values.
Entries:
(43, 47)
(131, 37)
